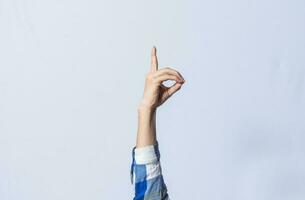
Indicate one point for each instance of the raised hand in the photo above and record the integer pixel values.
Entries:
(155, 93)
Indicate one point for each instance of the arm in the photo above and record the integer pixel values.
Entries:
(146, 171)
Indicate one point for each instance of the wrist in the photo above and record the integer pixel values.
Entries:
(147, 114)
(144, 107)
(146, 111)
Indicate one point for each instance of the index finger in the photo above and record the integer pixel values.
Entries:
(154, 60)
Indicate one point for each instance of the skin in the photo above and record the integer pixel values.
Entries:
(155, 94)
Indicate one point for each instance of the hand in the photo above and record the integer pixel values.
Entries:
(155, 93)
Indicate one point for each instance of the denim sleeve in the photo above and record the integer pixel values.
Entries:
(146, 174)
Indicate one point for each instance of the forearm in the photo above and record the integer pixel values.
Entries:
(146, 168)
(146, 134)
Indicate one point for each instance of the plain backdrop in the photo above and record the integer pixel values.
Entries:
(72, 74)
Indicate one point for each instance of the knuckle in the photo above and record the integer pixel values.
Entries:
(148, 76)
(154, 81)
(154, 77)
(173, 71)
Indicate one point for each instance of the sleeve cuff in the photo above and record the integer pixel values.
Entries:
(147, 154)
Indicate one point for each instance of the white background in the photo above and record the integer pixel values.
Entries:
(72, 74)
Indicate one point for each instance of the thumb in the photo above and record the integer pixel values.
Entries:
(173, 89)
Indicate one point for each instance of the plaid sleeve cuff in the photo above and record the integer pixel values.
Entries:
(147, 154)
(144, 156)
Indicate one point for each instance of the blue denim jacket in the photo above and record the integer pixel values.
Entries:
(146, 174)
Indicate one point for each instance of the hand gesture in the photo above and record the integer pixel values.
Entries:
(155, 93)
